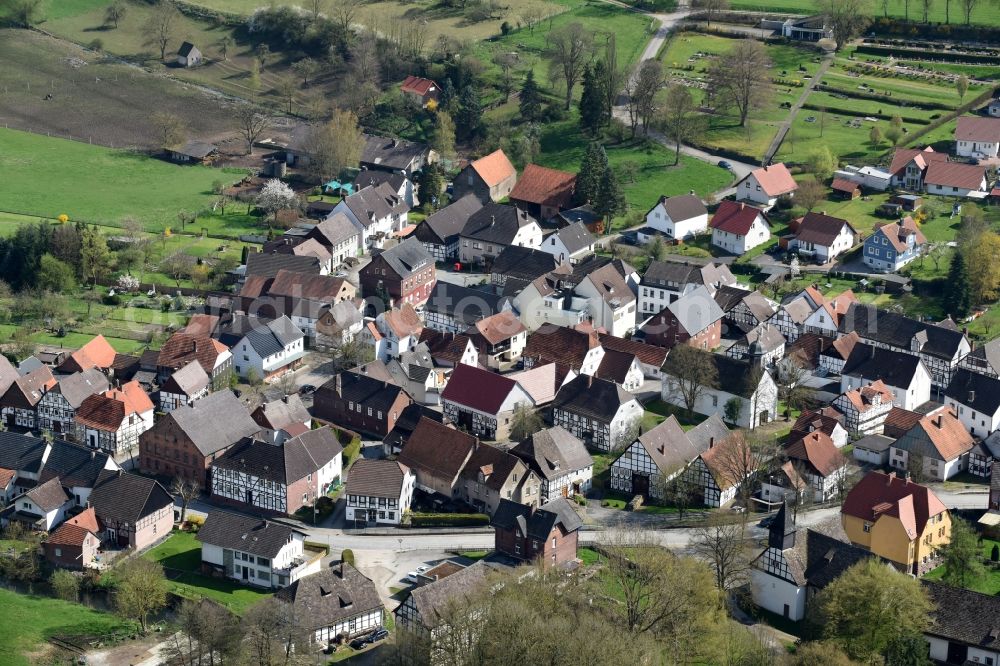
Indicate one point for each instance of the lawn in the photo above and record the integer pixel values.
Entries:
(988, 583)
(49, 177)
(563, 147)
(28, 621)
(181, 556)
(984, 13)
(657, 412)
(588, 556)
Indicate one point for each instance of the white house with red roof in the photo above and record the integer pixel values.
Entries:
(977, 137)
(738, 227)
(423, 90)
(955, 179)
(909, 165)
(765, 185)
(483, 402)
(112, 421)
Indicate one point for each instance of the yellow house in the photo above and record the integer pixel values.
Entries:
(897, 519)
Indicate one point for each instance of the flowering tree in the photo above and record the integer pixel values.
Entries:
(127, 283)
(275, 196)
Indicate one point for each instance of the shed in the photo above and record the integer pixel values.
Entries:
(188, 55)
(846, 189)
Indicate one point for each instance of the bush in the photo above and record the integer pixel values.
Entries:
(65, 585)
(347, 556)
(449, 519)
(108, 299)
(580, 499)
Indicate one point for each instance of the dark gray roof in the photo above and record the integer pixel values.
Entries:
(734, 374)
(763, 338)
(121, 496)
(575, 237)
(196, 149)
(877, 443)
(389, 153)
(330, 596)
(48, 496)
(669, 447)
(523, 263)
(496, 223)
(584, 214)
(407, 257)
(278, 414)
(553, 452)
(74, 465)
(370, 177)
(416, 365)
(375, 202)
(273, 336)
(871, 363)
(249, 535)
(21, 452)
(189, 380)
(376, 478)
(592, 397)
(898, 331)
(186, 49)
(671, 273)
(334, 230)
(683, 207)
(709, 432)
(432, 601)
(964, 616)
(537, 523)
(269, 264)
(974, 390)
(78, 386)
(291, 461)
(360, 388)
(466, 304)
(206, 430)
(446, 224)
(988, 355)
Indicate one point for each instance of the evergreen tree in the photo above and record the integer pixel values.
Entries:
(957, 301)
(447, 96)
(592, 168)
(601, 85)
(531, 98)
(591, 103)
(431, 183)
(610, 197)
(469, 118)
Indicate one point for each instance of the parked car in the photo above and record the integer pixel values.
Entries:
(359, 643)
(725, 165)
(379, 634)
(411, 577)
(307, 389)
(766, 521)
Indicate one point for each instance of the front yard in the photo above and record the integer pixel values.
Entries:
(988, 583)
(180, 556)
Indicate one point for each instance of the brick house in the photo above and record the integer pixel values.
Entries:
(135, 511)
(548, 534)
(261, 476)
(694, 319)
(401, 274)
(74, 544)
(186, 441)
(360, 403)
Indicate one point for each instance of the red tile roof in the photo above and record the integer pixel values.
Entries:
(478, 389)
(818, 450)
(74, 531)
(775, 180)
(904, 156)
(494, 168)
(499, 327)
(107, 411)
(946, 433)
(540, 185)
(844, 185)
(956, 174)
(735, 217)
(879, 493)
(418, 85)
(899, 420)
(978, 128)
(182, 348)
(98, 353)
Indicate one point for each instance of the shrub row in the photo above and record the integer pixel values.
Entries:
(880, 97)
(923, 54)
(449, 519)
(861, 114)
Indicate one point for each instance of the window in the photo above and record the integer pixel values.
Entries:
(867, 527)
(58, 552)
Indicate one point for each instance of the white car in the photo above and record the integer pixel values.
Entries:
(412, 576)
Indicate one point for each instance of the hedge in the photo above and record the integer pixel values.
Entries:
(449, 519)
(861, 114)
(883, 98)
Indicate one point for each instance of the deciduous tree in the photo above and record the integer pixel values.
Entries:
(570, 48)
(821, 162)
(55, 275)
(962, 557)
(335, 146)
(875, 136)
(140, 589)
(251, 123)
(810, 193)
(968, 6)
(741, 78)
(159, 29)
(186, 491)
(65, 585)
(115, 13)
(443, 136)
(983, 266)
(170, 129)
(96, 259)
(962, 86)
(690, 372)
(640, 94)
(23, 13)
(848, 18)
(679, 118)
(524, 423)
(721, 543)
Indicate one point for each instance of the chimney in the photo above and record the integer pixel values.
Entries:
(93, 453)
(711, 442)
(972, 396)
(742, 205)
(194, 346)
(890, 477)
(938, 421)
(285, 399)
(339, 383)
(493, 220)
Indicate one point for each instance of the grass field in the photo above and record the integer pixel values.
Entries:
(49, 177)
(989, 583)
(28, 621)
(94, 99)
(181, 556)
(984, 13)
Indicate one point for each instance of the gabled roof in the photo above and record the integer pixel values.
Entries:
(76, 387)
(407, 258)
(762, 339)
(495, 465)
(736, 217)
(669, 447)
(255, 536)
(682, 207)
(325, 288)
(615, 366)
(553, 452)
(541, 382)
(331, 596)
(611, 286)
(647, 354)
(437, 450)
(575, 237)
(844, 185)
(893, 367)
(903, 156)
(879, 493)
(983, 129)
(536, 523)
(544, 186)
(182, 348)
(21, 452)
(708, 432)
(494, 168)
(465, 304)
(864, 398)
(74, 531)
(418, 85)
(48, 496)
(818, 452)
(497, 328)
(898, 331)
(107, 411)
(696, 310)
(186, 49)
(75, 465)
(478, 389)
(269, 338)
(209, 433)
(956, 174)
(722, 460)
(821, 229)
(268, 264)
(379, 394)
(8, 373)
(433, 600)
(523, 263)
(559, 344)
(376, 478)
(280, 414)
(445, 347)
(123, 497)
(937, 436)
(974, 390)
(295, 459)
(824, 419)
(775, 179)
(963, 616)
(98, 353)
(592, 397)
(896, 233)
(189, 380)
(26, 391)
(446, 224)
(390, 153)
(403, 321)
(375, 202)
(496, 223)
(335, 229)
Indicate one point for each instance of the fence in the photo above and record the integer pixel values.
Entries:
(78, 139)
